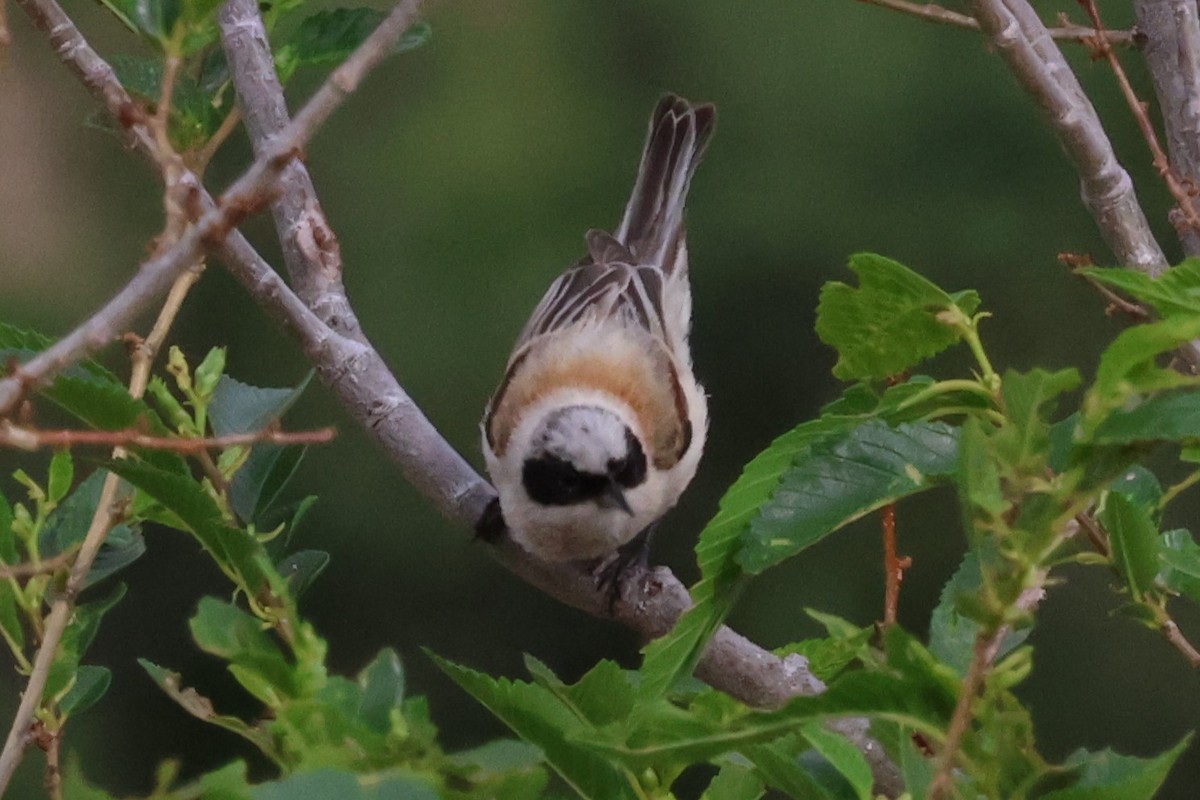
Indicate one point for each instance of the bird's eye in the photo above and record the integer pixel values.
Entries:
(552, 481)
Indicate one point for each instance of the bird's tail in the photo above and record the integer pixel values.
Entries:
(653, 225)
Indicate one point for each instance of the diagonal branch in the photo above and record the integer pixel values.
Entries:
(932, 12)
(1172, 53)
(1106, 189)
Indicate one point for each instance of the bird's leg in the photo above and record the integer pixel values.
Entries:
(631, 557)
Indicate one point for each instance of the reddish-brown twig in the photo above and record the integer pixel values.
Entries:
(44, 567)
(1182, 193)
(893, 565)
(33, 438)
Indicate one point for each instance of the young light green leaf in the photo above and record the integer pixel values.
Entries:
(734, 782)
(1134, 540)
(8, 540)
(1129, 364)
(382, 685)
(227, 632)
(842, 479)
(1027, 397)
(1109, 776)
(888, 324)
(1176, 291)
(90, 685)
(540, 718)
(1165, 418)
(62, 474)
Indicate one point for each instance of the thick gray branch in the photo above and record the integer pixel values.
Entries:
(1106, 188)
(1172, 51)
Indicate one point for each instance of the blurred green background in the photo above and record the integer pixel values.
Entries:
(460, 179)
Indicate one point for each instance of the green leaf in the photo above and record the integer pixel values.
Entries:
(239, 408)
(76, 640)
(227, 632)
(257, 485)
(90, 685)
(123, 545)
(201, 708)
(536, 715)
(952, 633)
(8, 540)
(829, 656)
(843, 756)
(156, 18)
(1134, 540)
(1129, 365)
(888, 324)
(1176, 291)
(734, 782)
(1170, 418)
(324, 784)
(779, 764)
(1027, 396)
(62, 475)
(1141, 486)
(1179, 556)
(671, 657)
(844, 478)
(329, 37)
(382, 685)
(1109, 776)
(300, 569)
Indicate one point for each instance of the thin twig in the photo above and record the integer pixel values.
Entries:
(33, 439)
(1174, 184)
(985, 649)
(931, 12)
(28, 569)
(200, 160)
(893, 565)
(1095, 533)
(5, 36)
(1175, 636)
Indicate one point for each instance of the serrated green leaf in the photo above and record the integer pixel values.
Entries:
(671, 657)
(227, 632)
(76, 640)
(68, 524)
(382, 685)
(1108, 776)
(1176, 291)
(1166, 418)
(329, 37)
(890, 322)
(123, 545)
(1027, 398)
(300, 569)
(537, 716)
(844, 478)
(1179, 557)
(1134, 540)
(952, 634)
(734, 782)
(91, 683)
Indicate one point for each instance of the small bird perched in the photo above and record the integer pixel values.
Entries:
(599, 423)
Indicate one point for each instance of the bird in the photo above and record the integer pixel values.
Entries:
(599, 423)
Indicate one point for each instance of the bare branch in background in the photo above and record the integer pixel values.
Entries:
(1172, 52)
(932, 12)
(34, 438)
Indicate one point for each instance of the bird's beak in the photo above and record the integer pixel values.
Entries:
(614, 497)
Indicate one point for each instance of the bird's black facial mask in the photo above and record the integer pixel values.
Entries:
(554, 481)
